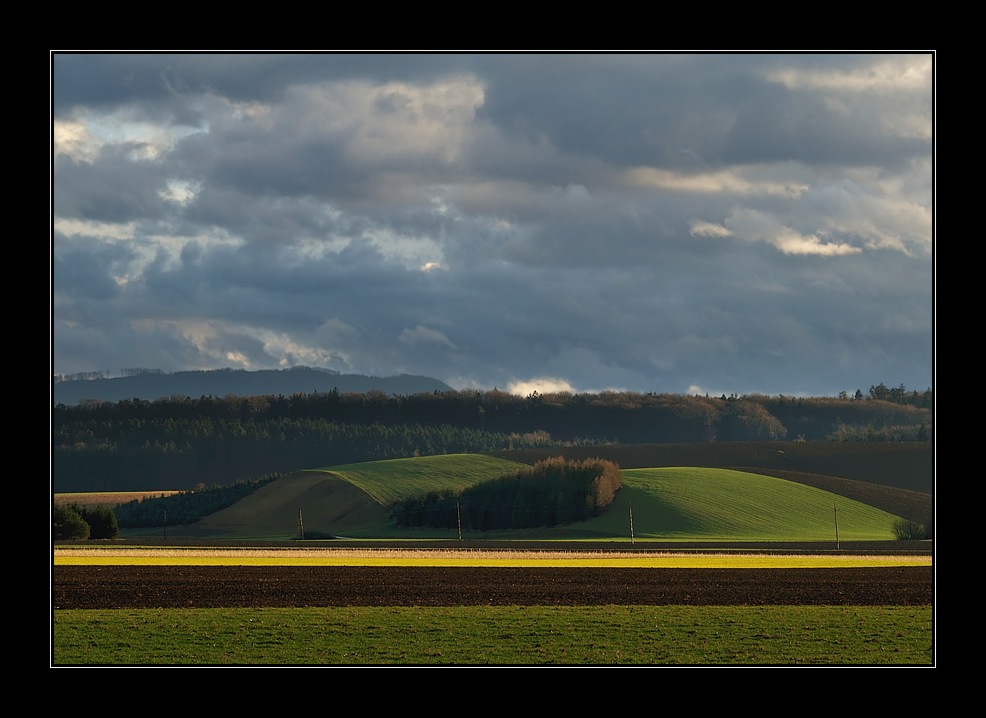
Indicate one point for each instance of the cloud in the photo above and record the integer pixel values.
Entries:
(425, 335)
(791, 243)
(734, 182)
(708, 229)
(755, 226)
(643, 221)
(541, 385)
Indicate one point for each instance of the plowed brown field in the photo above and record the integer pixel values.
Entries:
(91, 587)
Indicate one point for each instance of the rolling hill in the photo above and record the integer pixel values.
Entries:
(346, 499)
(722, 504)
(668, 503)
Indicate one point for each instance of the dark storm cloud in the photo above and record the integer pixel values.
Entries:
(85, 269)
(110, 189)
(653, 222)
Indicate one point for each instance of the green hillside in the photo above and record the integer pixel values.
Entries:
(395, 479)
(668, 503)
(704, 504)
(350, 500)
(328, 506)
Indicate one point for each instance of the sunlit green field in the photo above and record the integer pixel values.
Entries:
(508, 636)
(725, 505)
(395, 479)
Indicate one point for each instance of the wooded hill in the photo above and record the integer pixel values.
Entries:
(179, 443)
(151, 384)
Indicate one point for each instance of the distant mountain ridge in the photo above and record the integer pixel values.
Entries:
(223, 382)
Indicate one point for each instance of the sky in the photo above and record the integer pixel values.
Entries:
(673, 223)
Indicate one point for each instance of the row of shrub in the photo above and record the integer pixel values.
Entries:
(185, 507)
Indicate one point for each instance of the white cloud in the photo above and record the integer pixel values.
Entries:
(84, 136)
(754, 226)
(731, 181)
(885, 213)
(103, 230)
(899, 72)
(180, 191)
(72, 138)
(542, 385)
(793, 243)
(698, 228)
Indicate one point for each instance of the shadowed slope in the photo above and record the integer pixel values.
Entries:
(329, 505)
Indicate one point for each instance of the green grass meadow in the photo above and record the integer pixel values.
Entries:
(395, 479)
(721, 504)
(497, 636)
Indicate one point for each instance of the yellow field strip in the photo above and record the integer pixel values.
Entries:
(104, 556)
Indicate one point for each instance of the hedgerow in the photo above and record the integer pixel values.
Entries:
(185, 507)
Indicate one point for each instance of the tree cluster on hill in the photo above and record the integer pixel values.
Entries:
(71, 522)
(910, 530)
(177, 443)
(551, 492)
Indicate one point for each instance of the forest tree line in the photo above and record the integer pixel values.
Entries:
(178, 443)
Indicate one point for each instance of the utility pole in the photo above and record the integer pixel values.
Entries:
(458, 516)
(835, 510)
(301, 527)
(165, 524)
(631, 522)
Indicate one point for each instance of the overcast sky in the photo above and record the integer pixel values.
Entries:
(710, 223)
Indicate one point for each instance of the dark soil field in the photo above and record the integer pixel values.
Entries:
(96, 587)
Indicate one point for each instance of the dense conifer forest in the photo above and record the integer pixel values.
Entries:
(180, 443)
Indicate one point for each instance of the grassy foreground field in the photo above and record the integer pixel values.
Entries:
(506, 636)
(422, 634)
